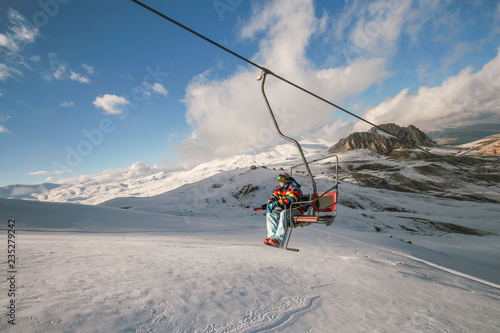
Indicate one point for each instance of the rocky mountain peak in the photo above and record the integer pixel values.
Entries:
(381, 142)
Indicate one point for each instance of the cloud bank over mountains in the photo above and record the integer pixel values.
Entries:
(228, 115)
(464, 99)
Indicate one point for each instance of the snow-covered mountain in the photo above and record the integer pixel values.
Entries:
(414, 248)
(25, 191)
(404, 170)
(459, 135)
(489, 146)
(140, 180)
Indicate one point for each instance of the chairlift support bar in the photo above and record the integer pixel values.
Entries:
(313, 182)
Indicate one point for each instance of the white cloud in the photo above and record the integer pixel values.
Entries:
(43, 173)
(379, 26)
(111, 104)
(21, 32)
(496, 23)
(67, 104)
(463, 99)
(229, 116)
(288, 27)
(78, 77)
(8, 71)
(4, 72)
(365, 29)
(136, 170)
(60, 70)
(160, 89)
(146, 89)
(3, 129)
(88, 69)
(48, 173)
(4, 40)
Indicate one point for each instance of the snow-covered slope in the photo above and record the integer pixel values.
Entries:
(192, 260)
(419, 172)
(183, 252)
(489, 146)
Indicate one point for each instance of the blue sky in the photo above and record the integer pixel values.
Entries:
(87, 86)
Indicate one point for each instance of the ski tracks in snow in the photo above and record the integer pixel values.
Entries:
(269, 317)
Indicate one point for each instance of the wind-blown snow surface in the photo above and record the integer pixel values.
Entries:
(192, 260)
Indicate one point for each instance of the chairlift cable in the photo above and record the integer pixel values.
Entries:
(267, 71)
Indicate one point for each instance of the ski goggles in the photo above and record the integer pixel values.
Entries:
(282, 179)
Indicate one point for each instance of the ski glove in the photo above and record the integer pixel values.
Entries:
(271, 205)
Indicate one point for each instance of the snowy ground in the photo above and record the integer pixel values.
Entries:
(199, 283)
(183, 252)
(192, 260)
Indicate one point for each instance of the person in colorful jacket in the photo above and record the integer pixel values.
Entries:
(283, 196)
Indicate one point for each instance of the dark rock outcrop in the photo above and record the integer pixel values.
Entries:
(383, 143)
(410, 134)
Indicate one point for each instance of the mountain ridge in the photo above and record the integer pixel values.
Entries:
(396, 168)
(383, 143)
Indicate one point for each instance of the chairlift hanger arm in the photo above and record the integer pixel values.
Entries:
(263, 78)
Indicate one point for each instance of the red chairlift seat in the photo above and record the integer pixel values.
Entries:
(317, 206)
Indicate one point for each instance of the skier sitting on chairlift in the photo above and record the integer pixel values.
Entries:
(277, 216)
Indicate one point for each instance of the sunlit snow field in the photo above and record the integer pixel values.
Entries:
(192, 260)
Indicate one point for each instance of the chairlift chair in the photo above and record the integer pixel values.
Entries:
(316, 204)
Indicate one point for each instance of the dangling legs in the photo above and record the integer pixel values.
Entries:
(284, 218)
(272, 223)
(276, 222)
